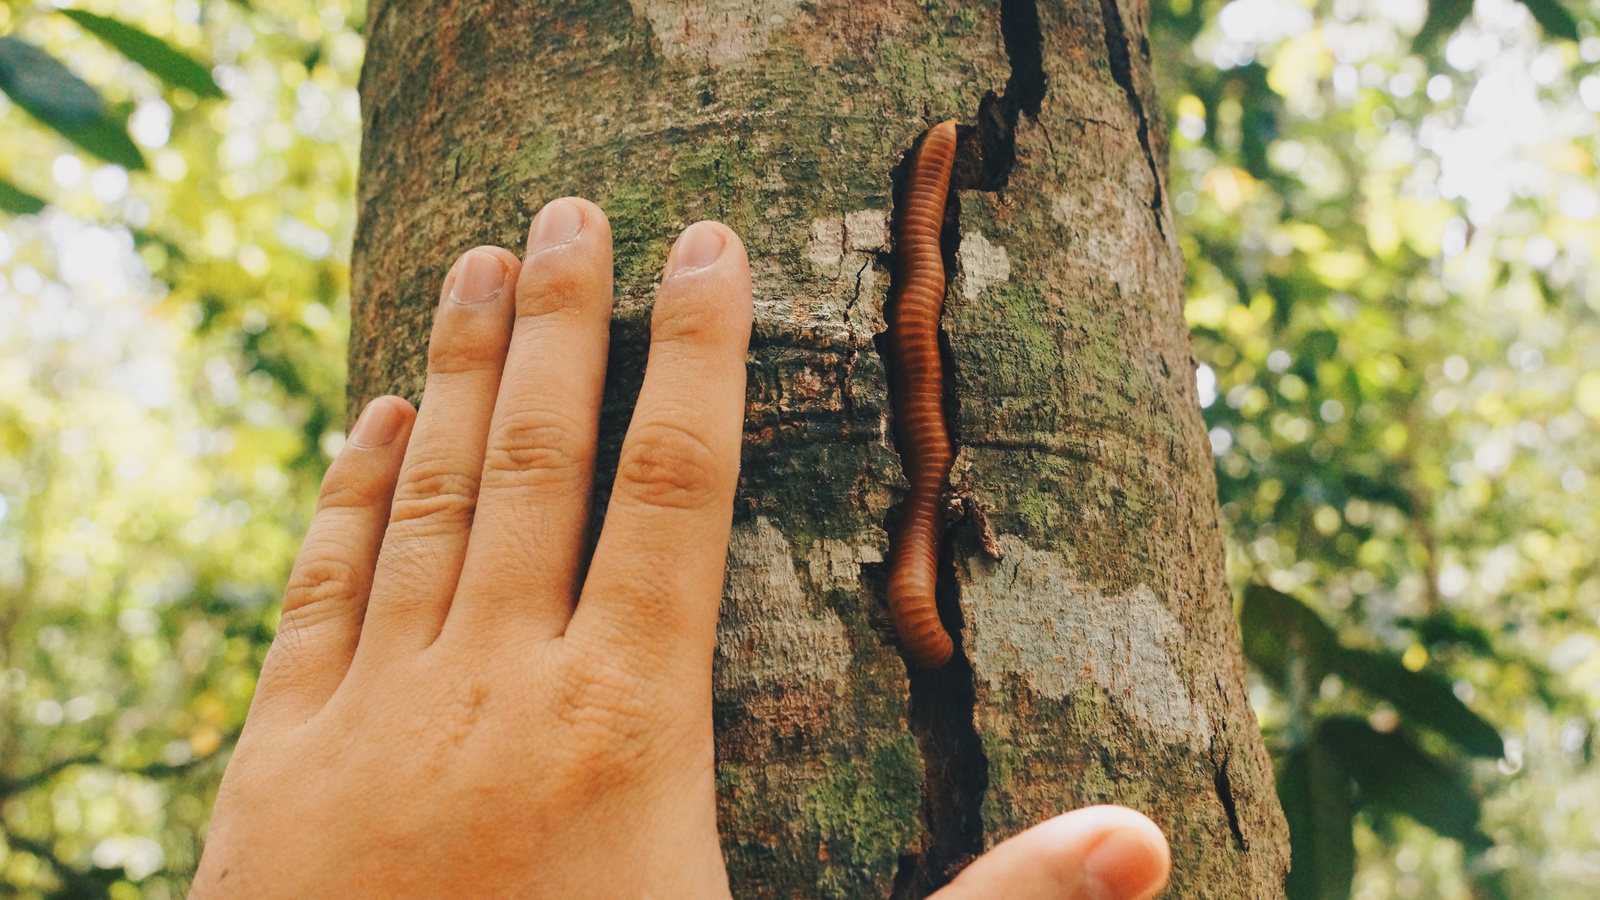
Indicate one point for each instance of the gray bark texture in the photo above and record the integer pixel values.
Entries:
(1098, 660)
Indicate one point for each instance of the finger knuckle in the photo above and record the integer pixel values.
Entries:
(609, 712)
(294, 653)
(320, 586)
(285, 665)
(688, 320)
(667, 465)
(466, 358)
(533, 448)
(345, 488)
(433, 497)
(556, 287)
(467, 339)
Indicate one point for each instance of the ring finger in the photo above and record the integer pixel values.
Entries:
(437, 494)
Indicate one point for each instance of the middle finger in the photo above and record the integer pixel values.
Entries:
(521, 574)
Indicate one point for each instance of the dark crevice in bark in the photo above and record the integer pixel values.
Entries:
(956, 771)
(1122, 72)
(1019, 28)
(989, 151)
(943, 701)
(1224, 787)
(1109, 765)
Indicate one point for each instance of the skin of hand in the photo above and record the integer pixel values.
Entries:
(452, 707)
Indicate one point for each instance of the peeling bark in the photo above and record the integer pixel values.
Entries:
(1098, 660)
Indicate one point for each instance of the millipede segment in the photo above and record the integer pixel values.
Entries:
(925, 448)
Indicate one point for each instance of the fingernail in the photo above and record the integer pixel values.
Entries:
(699, 246)
(378, 425)
(558, 223)
(482, 277)
(1124, 866)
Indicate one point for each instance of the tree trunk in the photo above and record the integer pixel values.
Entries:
(1098, 660)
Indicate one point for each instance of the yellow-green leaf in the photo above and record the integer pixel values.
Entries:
(157, 56)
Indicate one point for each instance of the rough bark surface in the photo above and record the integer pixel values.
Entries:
(1098, 661)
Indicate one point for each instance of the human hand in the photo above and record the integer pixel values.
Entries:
(451, 707)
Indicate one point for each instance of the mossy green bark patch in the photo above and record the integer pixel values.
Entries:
(639, 219)
(866, 814)
(535, 157)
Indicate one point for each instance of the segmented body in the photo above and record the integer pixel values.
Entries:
(919, 400)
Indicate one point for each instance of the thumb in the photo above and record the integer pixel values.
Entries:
(1097, 853)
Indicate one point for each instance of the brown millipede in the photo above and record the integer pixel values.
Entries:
(919, 399)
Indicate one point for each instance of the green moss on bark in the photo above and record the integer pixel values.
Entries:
(866, 815)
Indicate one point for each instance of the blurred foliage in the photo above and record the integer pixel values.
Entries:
(1389, 214)
(171, 385)
(1388, 209)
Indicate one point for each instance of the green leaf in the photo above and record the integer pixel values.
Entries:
(1394, 774)
(46, 90)
(1382, 486)
(40, 84)
(1449, 627)
(17, 201)
(156, 55)
(1553, 18)
(1444, 16)
(1259, 126)
(1421, 697)
(1491, 885)
(1277, 628)
(143, 238)
(1315, 795)
(108, 139)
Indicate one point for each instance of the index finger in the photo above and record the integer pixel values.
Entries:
(657, 573)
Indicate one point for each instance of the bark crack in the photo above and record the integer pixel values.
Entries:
(847, 397)
(1121, 58)
(944, 701)
(1224, 788)
(989, 151)
(1019, 28)
(956, 770)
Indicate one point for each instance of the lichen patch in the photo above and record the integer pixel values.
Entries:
(1118, 218)
(867, 230)
(717, 32)
(980, 264)
(837, 564)
(826, 248)
(1030, 618)
(781, 639)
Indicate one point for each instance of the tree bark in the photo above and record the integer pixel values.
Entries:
(1098, 660)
